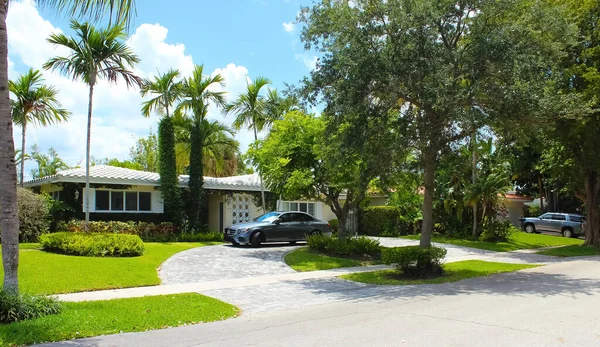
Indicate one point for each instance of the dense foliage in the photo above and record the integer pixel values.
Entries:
(385, 221)
(34, 213)
(169, 179)
(19, 307)
(93, 244)
(360, 247)
(414, 261)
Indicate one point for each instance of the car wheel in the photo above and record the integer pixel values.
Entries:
(529, 228)
(256, 239)
(567, 232)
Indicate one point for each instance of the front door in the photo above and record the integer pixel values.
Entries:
(221, 216)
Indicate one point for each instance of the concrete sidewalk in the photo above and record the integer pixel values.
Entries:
(213, 285)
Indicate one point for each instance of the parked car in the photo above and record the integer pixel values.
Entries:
(569, 225)
(276, 227)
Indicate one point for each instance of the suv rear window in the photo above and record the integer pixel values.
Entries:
(577, 219)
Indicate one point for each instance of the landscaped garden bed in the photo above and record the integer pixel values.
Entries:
(93, 318)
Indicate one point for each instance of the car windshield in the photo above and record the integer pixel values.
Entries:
(268, 217)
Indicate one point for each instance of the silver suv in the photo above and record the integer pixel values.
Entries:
(569, 225)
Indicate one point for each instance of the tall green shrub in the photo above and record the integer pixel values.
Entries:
(196, 175)
(34, 215)
(384, 221)
(169, 180)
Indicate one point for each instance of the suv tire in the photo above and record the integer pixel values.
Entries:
(568, 232)
(529, 228)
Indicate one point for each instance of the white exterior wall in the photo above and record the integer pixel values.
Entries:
(232, 204)
(515, 211)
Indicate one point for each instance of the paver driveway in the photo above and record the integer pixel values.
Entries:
(223, 262)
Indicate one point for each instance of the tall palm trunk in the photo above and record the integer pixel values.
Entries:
(23, 149)
(262, 187)
(87, 151)
(9, 221)
(196, 182)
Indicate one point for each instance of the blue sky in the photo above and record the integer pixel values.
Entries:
(239, 39)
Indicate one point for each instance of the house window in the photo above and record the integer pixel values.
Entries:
(123, 201)
(300, 206)
(55, 195)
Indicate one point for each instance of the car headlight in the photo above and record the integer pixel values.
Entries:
(242, 231)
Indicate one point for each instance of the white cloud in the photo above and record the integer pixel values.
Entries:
(289, 27)
(117, 120)
(310, 61)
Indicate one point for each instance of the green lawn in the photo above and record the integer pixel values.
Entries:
(571, 251)
(93, 318)
(519, 240)
(303, 259)
(456, 271)
(49, 273)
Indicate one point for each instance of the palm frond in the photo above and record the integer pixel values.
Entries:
(118, 11)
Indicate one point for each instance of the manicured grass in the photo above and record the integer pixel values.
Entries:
(93, 318)
(519, 240)
(571, 251)
(49, 273)
(29, 246)
(303, 259)
(453, 272)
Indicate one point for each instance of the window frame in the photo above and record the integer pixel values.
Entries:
(297, 204)
(124, 195)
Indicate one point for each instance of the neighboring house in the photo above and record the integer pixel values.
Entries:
(124, 194)
(515, 207)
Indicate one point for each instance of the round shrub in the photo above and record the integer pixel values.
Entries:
(18, 307)
(34, 213)
(497, 231)
(362, 246)
(384, 221)
(414, 261)
(93, 244)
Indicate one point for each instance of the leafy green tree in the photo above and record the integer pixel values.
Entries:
(197, 97)
(145, 153)
(220, 157)
(165, 92)
(118, 10)
(443, 68)
(94, 54)
(47, 164)
(250, 111)
(35, 104)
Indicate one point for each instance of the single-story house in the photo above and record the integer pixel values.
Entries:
(515, 207)
(124, 194)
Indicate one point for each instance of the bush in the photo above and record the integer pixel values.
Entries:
(34, 215)
(146, 231)
(414, 261)
(334, 225)
(497, 231)
(212, 236)
(18, 307)
(361, 246)
(384, 221)
(93, 244)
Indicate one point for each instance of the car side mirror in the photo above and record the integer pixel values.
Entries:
(277, 221)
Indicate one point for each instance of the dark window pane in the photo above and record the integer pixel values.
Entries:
(116, 201)
(301, 217)
(131, 201)
(311, 208)
(145, 201)
(558, 217)
(286, 217)
(303, 207)
(575, 219)
(102, 200)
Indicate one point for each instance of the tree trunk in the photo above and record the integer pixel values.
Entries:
(196, 174)
(24, 126)
(262, 187)
(541, 189)
(474, 232)
(87, 151)
(592, 227)
(429, 164)
(9, 220)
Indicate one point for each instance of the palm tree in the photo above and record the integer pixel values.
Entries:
(220, 149)
(95, 54)
(277, 105)
(35, 104)
(118, 10)
(165, 91)
(48, 164)
(197, 96)
(249, 112)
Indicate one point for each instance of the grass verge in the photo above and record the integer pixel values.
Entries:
(49, 273)
(519, 240)
(453, 272)
(571, 251)
(94, 318)
(303, 259)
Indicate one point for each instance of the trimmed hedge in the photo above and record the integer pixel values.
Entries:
(414, 261)
(361, 246)
(34, 215)
(384, 221)
(497, 231)
(93, 244)
(18, 307)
